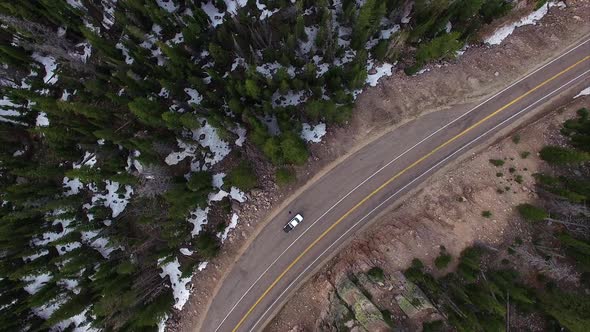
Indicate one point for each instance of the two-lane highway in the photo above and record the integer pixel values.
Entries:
(364, 184)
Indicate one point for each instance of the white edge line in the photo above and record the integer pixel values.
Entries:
(404, 187)
(386, 165)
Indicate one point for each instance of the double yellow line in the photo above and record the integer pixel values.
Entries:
(386, 183)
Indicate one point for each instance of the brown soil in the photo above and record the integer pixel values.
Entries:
(446, 212)
(478, 73)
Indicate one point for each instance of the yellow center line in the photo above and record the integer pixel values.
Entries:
(329, 229)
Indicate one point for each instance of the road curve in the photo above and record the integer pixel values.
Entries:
(365, 183)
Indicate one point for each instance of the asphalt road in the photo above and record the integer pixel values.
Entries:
(367, 182)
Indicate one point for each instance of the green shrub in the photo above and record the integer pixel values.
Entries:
(531, 212)
(497, 162)
(519, 179)
(243, 177)
(284, 176)
(486, 214)
(434, 326)
(560, 156)
(499, 174)
(524, 154)
(516, 139)
(376, 273)
(207, 245)
(443, 260)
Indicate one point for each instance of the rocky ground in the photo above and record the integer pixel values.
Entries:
(478, 73)
(447, 212)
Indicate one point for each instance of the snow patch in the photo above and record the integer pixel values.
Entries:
(207, 137)
(112, 199)
(265, 13)
(198, 218)
(585, 92)
(73, 186)
(196, 98)
(202, 266)
(233, 223)
(128, 59)
(218, 180)
(50, 66)
(214, 14)
(179, 289)
(97, 242)
(531, 19)
(313, 134)
(167, 5)
(42, 120)
(186, 251)
(108, 15)
(292, 98)
(35, 283)
(383, 70)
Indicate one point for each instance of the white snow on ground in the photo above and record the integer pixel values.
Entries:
(65, 248)
(198, 218)
(238, 62)
(164, 93)
(97, 242)
(112, 199)
(88, 160)
(269, 69)
(7, 109)
(207, 136)
(272, 124)
(65, 95)
(313, 134)
(385, 34)
(35, 283)
(45, 311)
(49, 237)
(234, 193)
(73, 186)
(202, 266)
(505, 31)
(108, 14)
(162, 324)
(76, 4)
(172, 270)
(292, 98)
(71, 284)
(383, 70)
(421, 71)
(311, 33)
(36, 255)
(265, 13)
(448, 27)
(241, 132)
(167, 5)
(149, 43)
(196, 98)
(50, 66)
(218, 180)
(585, 92)
(186, 150)
(233, 223)
(214, 14)
(186, 251)
(234, 5)
(346, 58)
(322, 68)
(178, 38)
(128, 59)
(237, 194)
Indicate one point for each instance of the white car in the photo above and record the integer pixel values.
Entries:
(293, 223)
